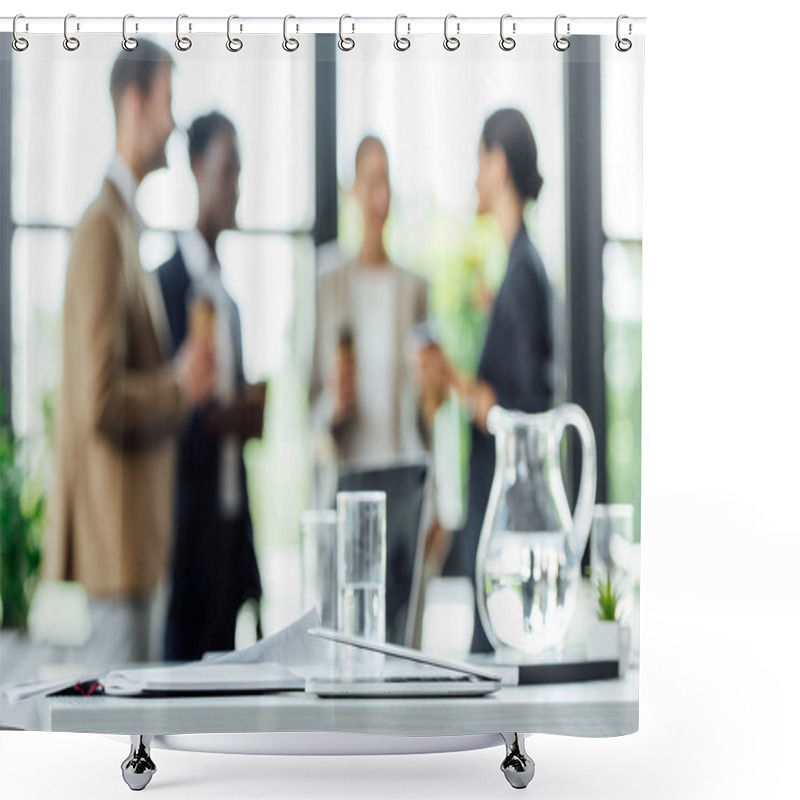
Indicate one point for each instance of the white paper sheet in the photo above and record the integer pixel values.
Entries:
(289, 654)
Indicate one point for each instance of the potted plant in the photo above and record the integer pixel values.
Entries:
(607, 638)
(21, 520)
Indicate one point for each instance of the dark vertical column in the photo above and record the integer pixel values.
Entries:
(326, 223)
(6, 227)
(585, 240)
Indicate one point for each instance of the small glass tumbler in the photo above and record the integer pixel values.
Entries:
(319, 565)
(612, 554)
(361, 546)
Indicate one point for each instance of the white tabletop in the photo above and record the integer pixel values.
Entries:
(589, 709)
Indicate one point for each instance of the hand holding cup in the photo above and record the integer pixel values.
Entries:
(434, 377)
(345, 391)
(197, 367)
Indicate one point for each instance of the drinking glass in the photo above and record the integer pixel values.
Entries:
(319, 564)
(361, 548)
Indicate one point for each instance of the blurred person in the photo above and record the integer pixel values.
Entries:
(213, 567)
(121, 400)
(362, 385)
(515, 369)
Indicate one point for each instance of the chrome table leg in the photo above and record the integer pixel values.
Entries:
(138, 768)
(517, 766)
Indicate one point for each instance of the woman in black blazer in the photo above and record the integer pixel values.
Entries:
(515, 369)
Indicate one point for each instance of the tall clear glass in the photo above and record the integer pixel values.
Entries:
(319, 565)
(361, 548)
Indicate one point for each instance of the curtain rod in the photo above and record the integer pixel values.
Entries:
(461, 26)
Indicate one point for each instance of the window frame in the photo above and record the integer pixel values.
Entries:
(321, 229)
(6, 228)
(584, 250)
(585, 237)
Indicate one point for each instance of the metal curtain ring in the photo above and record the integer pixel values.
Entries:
(233, 44)
(401, 43)
(507, 42)
(183, 43)
(561, 43)
(71, 43)
(623, 45)
(290, 44)
(346, 43)
(451, 42)
(128, 42)
(20, 43)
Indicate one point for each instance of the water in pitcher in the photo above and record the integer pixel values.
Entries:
(531, 589)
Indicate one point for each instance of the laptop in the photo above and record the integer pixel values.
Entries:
(397, 672)
(408, 490)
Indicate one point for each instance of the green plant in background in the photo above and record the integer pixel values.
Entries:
(623, 370)
(607, 601)
(22, 509)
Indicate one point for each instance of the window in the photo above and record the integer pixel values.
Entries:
(61, 150)
(429, 111)
(622, 278)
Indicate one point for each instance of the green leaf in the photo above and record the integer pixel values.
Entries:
(607, 601)
(22, 513)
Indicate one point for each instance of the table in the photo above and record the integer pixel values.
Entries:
(306, 724)
(299, 724)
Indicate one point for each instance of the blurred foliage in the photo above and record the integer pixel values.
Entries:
(463, 259)
(623, 369)
(624, 414)
(278, 464)
(22, 513)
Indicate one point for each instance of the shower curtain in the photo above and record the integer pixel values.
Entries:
(241, 262)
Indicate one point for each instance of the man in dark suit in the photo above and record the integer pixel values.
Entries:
(213, 567)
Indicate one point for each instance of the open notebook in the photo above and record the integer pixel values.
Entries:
(200, 678)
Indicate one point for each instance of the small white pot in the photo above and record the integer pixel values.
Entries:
(609, 641)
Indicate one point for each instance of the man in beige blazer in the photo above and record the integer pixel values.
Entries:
(362, 386)
(121, 402)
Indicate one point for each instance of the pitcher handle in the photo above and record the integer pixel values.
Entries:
(572, 414)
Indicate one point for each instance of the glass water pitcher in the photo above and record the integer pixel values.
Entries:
(529, 555)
